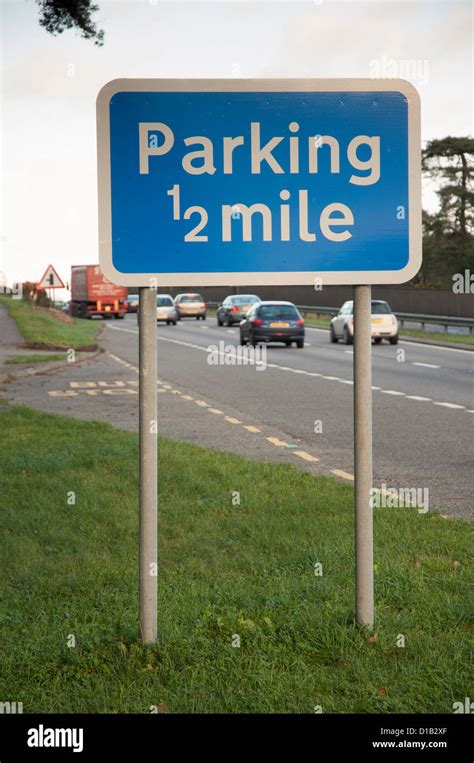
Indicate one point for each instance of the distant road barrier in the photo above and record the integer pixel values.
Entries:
(436, 320)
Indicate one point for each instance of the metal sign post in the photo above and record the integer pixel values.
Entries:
(363, 455)
(148, 416)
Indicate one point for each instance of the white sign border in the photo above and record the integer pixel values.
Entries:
(298, 278)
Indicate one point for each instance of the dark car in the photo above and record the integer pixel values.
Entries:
(272, 322)
(133, 301)
(234, 308)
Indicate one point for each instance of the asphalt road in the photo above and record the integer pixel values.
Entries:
(423, 404)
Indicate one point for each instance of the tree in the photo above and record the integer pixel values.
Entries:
(58, 15)
(450, 161)
(448, 235)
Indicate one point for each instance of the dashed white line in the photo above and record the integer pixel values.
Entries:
(425, 365)
(450, 405)
(313, 374)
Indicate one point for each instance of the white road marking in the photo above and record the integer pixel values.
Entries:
(450, 405)
(307, 373)
(425, 365)
(418, 397)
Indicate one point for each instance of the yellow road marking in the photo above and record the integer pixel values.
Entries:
(277, 442)
(201, 403)
(232, 420)
(252, 429)
(187, 397)
(344, 475)
(215, 410)
(123, 391)
(305, 456)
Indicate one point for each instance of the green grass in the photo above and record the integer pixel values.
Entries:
(434, 335)
(224, 570)
(439, 336)
(29, 359)
(41, 330)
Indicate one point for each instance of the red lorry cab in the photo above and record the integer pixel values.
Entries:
(93, 294)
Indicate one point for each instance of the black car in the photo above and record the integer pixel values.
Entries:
(234, 308)
(133, 301)
(272, 322)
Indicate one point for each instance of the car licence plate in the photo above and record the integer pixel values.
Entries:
(377, 320)
(279, 325)
(107, 308)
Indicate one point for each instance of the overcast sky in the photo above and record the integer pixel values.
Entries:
(49, 87)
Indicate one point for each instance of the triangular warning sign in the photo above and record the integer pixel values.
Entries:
(50, 280)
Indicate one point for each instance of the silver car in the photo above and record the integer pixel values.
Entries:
(165, 309)
(384, 323)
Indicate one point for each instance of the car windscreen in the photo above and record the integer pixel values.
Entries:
(278, 312)
(191, 298)
(244, 299)
(164, 301)
(380, 308)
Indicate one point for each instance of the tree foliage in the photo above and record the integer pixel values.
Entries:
(448, 235)
(58, 15)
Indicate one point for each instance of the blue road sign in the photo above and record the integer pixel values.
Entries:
(253, 182)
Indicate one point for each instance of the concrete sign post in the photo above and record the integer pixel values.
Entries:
(254, 182)
(148, 436)
(363, 455)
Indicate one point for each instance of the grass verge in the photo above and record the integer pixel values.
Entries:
(41, 330)
(226, 571)
(435, 336)
(439, 336)
(30, 359)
